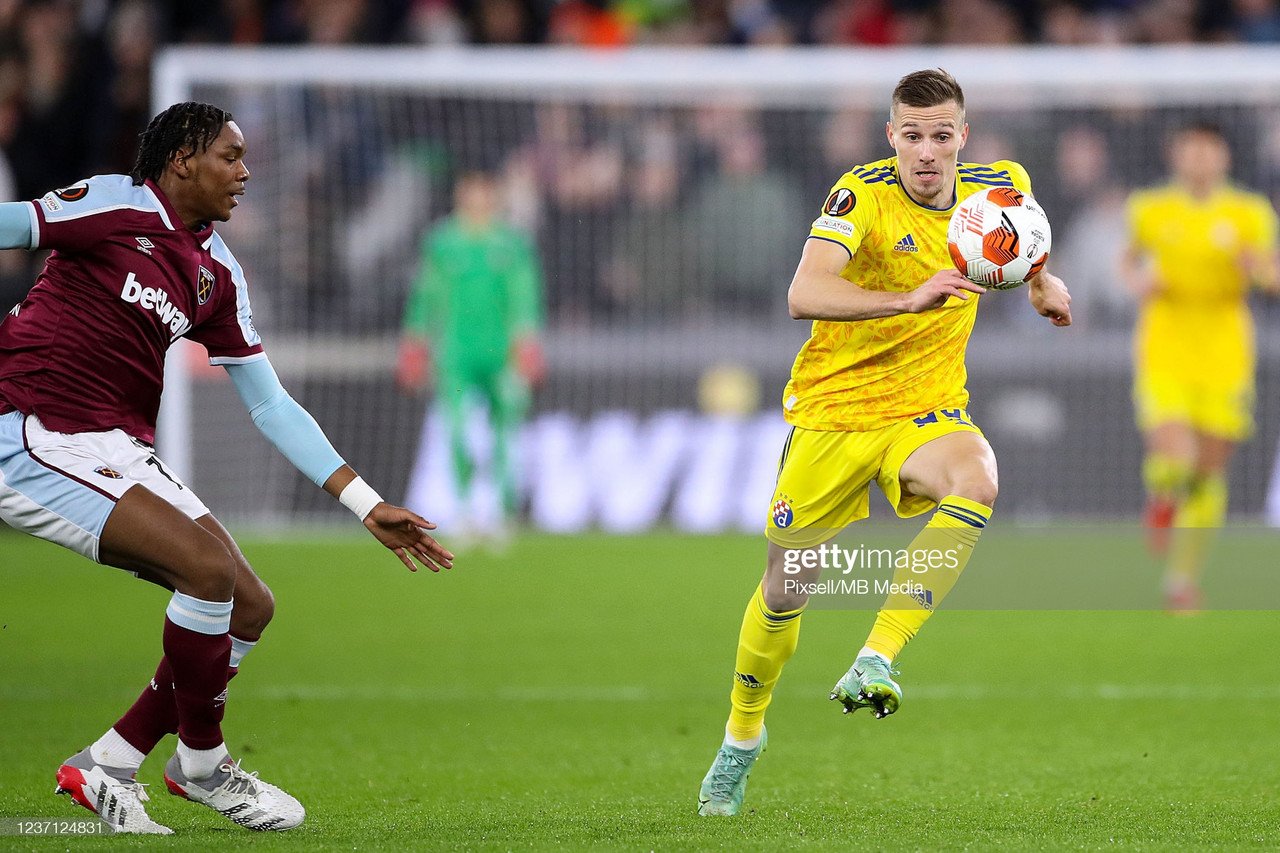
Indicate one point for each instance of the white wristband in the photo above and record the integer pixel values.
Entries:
(360, 498)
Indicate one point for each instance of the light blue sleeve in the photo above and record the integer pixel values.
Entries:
(285, 423)
(15, 225)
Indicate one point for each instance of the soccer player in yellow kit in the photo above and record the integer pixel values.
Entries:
(877, 393)
(1196, 245)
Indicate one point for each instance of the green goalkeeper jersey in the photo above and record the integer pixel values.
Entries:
(477, 290)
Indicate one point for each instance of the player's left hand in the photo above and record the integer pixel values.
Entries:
(1050, 298)
(404, 532)
(530, 362)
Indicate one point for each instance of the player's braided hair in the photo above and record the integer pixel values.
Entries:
(187, 126)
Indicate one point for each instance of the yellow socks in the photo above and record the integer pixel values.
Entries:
(1166, 477)
(1199, 515)
(938, 556)
(765, 644)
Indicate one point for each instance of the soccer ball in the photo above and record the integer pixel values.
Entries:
(999, 238)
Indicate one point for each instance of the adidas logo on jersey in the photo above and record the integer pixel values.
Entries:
(906, 244)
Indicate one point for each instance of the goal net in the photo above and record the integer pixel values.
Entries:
(669, 193)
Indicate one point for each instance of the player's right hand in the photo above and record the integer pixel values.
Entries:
(936, 291)
(404, 533)
(413, 365)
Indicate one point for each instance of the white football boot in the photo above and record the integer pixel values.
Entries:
(240, 797)
(112, 793)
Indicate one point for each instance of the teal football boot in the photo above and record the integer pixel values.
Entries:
(726, 782)
(869, 684)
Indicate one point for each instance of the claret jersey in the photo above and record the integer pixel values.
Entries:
(868, 374)
(85, 350)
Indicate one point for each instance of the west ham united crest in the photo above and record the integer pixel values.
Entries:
(204, 286)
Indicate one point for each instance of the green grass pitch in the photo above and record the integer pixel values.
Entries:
(571, 694)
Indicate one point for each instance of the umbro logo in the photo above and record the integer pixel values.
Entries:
(221, 698)
(144, 245)
(906, 244)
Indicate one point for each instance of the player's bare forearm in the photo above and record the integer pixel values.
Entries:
(815, 295)
(339, 480)
(401, 530)
(819, 292)
(1049, 296)
(1137, 274)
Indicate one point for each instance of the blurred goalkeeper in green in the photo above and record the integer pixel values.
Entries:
(472, 326)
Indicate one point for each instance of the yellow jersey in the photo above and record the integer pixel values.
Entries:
(1198, 325)
(867, 374)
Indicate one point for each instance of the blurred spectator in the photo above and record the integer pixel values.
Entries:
(847, 138)
(1166, 22)
(1089, 226)
(868, 22)
(436, 23)
(52, 143)
(588, 23)
(132, 37)
(974, 22)
(573, 165)
(1256, 20)
(747, 222)
(649, 263)
(501, 21)
(1069, 23)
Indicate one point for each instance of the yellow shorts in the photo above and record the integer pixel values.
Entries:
(824, 478)
(1223, 409)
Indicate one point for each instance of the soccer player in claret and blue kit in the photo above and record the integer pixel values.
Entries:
(136, 264)
(877, 393)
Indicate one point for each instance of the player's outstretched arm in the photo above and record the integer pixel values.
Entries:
(1138, 273)
(403, 531)
(819, 293)
(15, 225)
(1049, 296)
(297, 435)
(1262, 268)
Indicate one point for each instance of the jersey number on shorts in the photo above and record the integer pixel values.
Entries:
(956, 415)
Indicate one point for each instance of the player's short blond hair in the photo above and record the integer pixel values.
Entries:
(929, 88)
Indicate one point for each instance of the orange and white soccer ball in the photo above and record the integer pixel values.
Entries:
(999, 238)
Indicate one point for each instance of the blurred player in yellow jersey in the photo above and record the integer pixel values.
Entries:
(877, 393)
(1196, 245)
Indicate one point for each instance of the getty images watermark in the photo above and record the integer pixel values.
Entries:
(833, 557)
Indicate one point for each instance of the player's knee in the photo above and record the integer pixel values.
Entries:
(781, 587)
(212, 573)
(978, 485)
(255, 605)
(780, 599)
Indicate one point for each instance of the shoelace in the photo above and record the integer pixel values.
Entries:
(722, 782)
(889, 669)
(138, 789)
(132, 786)
(240, 781)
